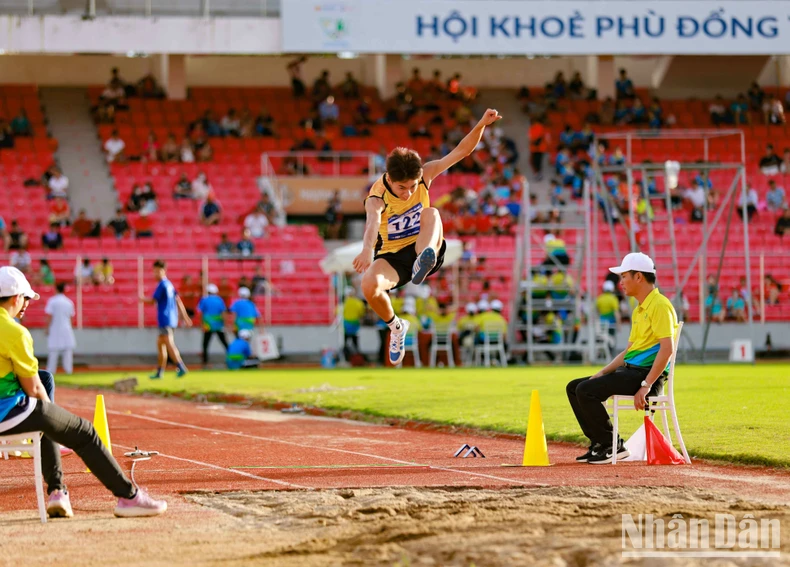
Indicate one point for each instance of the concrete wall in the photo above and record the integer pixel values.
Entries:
(311, 340)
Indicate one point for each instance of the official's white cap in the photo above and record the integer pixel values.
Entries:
(471, 307)
(483, 305)
(608, 285)
(13, 282)
(350, 291)
(410, 307)
(212, 288)
(635, 262)
(245, 334)
(244, 292)
(497, 305)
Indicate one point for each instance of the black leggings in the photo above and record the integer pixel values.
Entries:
(207, 339)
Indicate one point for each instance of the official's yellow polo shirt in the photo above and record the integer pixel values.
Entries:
(491, 322)
(442, 323)
(607, 305)
(654, 319)
(353, 310)
(467, 323)
(17, 357)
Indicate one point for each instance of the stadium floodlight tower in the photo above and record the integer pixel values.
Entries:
(636, 206)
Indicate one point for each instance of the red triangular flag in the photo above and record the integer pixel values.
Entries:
(659, 450)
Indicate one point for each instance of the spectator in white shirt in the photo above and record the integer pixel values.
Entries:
(21, 260)
(775, 197)
(230, 123)
(58, 184)
(257, 222)
(114, 147)
(751, 200)
(187, 153)
(774, 111)
(201, 187)
(697, 197)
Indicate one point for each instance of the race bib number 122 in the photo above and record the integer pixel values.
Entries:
(405, 225)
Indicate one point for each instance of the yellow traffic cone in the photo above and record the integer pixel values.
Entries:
(100, 423)
(536, 453)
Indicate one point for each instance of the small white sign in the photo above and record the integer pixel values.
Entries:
(265, 347)
(741, 351)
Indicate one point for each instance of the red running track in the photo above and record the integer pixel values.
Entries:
(211, 447)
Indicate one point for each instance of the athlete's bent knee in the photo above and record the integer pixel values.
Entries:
(372, 284)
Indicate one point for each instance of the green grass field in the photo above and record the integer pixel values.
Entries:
(732, 413)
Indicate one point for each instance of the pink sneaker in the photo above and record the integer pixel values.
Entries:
(140, 506)
(59, 505)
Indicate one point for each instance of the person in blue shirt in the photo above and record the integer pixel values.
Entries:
(212, 310)
(168, 309)
(246, 312)
(239, 352)
(624, 86)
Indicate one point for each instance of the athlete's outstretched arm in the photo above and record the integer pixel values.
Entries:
(374, 206)
(433, 169)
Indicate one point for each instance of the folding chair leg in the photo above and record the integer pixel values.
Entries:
(433, 356)
(614, 431)
(676, 425)
(450, 356)
(666, 426)
(39, 480)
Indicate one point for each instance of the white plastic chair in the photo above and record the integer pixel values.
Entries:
(664, 402)
(18, 443)
(412, 344)
(604, 342)
(442, 342)
(493, 341)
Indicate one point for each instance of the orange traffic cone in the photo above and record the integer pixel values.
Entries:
(659, 450)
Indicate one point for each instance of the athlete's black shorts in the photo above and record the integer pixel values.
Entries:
(403, 262)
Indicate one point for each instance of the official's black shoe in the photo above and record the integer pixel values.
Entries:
(601, 456)
(584, 458)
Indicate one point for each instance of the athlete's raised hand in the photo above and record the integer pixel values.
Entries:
(490, 116)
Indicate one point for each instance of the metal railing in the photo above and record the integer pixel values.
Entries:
(335, 158)
(147, 8)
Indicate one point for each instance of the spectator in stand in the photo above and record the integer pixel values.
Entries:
(143, 227)
(698, 198)
(186, 153)
(350, 87)
(454, 89)
(189, 292)
(45, 274)
(136, 200)
(114, 147)
(210, 211)
(245, 246)
(52, 239)
(538, 145)
(774, 111)
(112, 98)
(20, 124)
(147, 87)
(576, 87)
(264, 124)
(418, 125)
(623, 115)
(6, 135)
(294, 69)
(84, 274)
(739, 110)
(639, 112)
(328, 110)
(103, 273)
(756, 96)
(783, 223)
(334, 217)
(750, 199)
(713, 307)
(150, 149)
(257, 222)
(58, 184)
(719, 113)
(119, 224)
(59, 212)
(246, 124)
(83, 227)
(204, 152)
(231, 124)
(624, 87)
(736, 307)
(201, 186)
(415, 85)
(183, 188)
(149, 202)
(17, 238)
(770, 162)
(775, 197)
(321, 87)
(210, 125)
(21, 260)
(773, 290)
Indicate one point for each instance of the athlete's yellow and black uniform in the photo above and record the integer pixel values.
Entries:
(400, 225)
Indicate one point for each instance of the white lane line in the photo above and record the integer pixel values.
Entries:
(320, 447)
(219, 468)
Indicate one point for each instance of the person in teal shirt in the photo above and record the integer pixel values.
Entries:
(239, 352)
(246, 312)
(212, 310)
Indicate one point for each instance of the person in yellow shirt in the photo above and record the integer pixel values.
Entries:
(490, 319)
(102, 273)
(442, 321)
(608, 307)
(639, 371)
(427, 305)
(354, 310)
(404, 239)
(561, 283)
